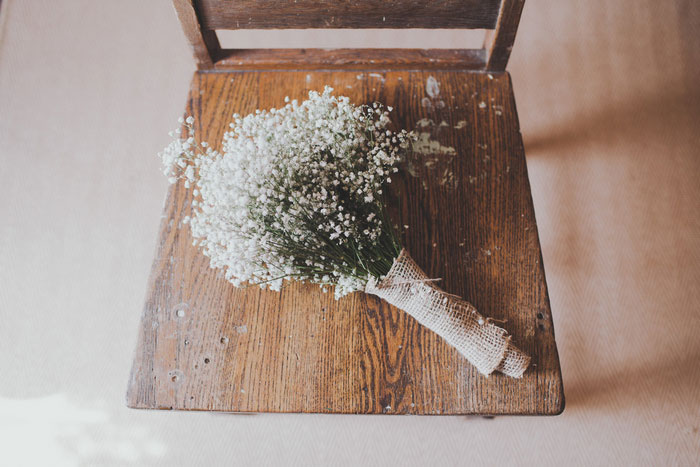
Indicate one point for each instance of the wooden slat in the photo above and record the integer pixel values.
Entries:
(387, 59)
(302, 14)
(204, 43)
(499, 42)
(465, 199)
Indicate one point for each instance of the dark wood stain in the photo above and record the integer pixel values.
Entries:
(303, 14)
(499, 42)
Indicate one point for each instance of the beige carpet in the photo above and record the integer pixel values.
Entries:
(610, 111)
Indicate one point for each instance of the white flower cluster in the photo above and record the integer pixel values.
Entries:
(295, 193)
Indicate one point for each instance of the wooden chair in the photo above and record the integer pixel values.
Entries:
(463, 196)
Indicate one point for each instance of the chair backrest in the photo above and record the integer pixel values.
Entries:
(201, 18)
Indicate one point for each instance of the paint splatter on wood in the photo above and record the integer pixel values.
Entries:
(432, 87)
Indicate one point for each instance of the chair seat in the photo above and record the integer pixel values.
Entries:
(463, 202)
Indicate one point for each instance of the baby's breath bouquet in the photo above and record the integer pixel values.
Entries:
(297, 193)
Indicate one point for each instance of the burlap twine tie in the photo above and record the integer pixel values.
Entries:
(485, 345)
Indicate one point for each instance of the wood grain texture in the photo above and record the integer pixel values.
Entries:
(302, 14)
(205, 345)
(499, 42)
(382, 59)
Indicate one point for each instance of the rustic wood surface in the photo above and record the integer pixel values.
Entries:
(302, 14)
(384, 59)
(464, 199)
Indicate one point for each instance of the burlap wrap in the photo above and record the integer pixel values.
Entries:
(485, 345)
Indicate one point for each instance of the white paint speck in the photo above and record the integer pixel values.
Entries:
(424, 122)
(426, 145)
(482, 105)
(432, 87)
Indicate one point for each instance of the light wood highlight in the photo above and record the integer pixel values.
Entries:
(355, 59)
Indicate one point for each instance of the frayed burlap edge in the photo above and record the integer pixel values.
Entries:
(486, 346)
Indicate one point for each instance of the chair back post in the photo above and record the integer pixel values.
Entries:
(201, 18)
(205, 45)
(499, 42)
